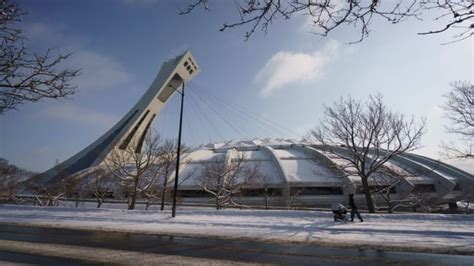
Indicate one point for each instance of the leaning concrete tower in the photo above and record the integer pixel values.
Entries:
(133, 127)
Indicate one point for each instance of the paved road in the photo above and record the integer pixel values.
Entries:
(48, 246)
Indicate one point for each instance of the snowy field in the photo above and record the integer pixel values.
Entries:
(437, 233)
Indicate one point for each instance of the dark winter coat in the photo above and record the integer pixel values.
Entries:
(352, 203)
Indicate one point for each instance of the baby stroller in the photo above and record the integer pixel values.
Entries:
(339, 212)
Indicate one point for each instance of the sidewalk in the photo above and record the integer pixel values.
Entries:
(435, 233)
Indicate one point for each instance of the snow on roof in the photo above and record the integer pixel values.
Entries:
(299, 165)
(257, 155)
(200, 155)
(308, 171)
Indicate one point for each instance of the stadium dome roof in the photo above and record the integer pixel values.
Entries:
(293, 166)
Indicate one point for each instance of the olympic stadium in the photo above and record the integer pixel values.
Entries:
(284, 172)
(304, 175)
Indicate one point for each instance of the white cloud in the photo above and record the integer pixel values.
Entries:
(39, 32)
(74, 113)
(98, 71)
(286, 68)
(52, 36)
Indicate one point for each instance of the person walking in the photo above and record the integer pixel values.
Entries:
(354, 210)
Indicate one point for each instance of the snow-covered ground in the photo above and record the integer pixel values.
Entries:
(439, 233)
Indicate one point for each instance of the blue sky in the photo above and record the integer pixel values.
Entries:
(284, 76)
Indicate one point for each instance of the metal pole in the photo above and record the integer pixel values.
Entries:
(173, 214)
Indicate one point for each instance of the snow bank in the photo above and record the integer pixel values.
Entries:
(439, 233)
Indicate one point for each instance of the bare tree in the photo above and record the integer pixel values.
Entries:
(263, 181)
(415, 200)
(136, 172)
(155, 190)
(459, 110)
(468, 198)
(293, 199)
(151, 194)
(386, 179)
(26, 76)
(224, 179)
(51, 195)
(101, 186)
(168, 162)
(48, 194)
(73, 188)
(327, 15)
(10, 178)
(364, 136)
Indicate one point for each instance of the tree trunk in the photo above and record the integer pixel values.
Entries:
(389, 204)
(40, 203)
(11, 195)
(368, 196)
(131, 206)
(266, 199)
(147, 205)
(163, 191)
(77, 201)
(99, 202)
(133, 200)
(163, 194)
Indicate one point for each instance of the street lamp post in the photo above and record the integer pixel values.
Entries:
(173, 213)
